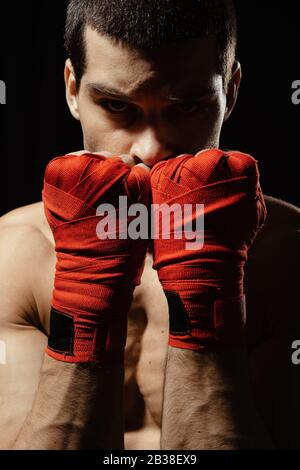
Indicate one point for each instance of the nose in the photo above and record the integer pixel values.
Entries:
(148, 148)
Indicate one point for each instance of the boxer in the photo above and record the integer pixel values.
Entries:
(149, 83)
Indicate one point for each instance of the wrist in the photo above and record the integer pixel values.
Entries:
(97, 333)
(203, 318)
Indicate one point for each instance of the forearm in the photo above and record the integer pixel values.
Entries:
(207, 402)
(77, 406)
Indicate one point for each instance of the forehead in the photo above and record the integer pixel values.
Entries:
(168, 69)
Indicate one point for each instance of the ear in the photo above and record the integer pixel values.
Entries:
(233, 89)
(71, 92)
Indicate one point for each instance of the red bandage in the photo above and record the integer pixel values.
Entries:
(94, 279)
(204, 287)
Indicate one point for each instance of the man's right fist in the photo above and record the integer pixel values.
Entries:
(94, 279)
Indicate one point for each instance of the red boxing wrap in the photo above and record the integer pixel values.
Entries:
(94, 279)
(204, 286)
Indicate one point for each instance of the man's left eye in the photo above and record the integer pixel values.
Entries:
(187, 107)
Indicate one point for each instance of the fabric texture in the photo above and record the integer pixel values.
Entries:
(94, 279)
(204, 287)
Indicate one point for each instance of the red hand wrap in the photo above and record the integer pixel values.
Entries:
(204, 287)
(94, 278)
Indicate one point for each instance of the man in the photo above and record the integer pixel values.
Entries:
(149, 82)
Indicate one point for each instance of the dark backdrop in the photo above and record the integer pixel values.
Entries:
(35, 124)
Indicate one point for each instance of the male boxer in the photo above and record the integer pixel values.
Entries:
(149, 82)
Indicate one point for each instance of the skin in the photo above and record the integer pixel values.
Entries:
(150, 128)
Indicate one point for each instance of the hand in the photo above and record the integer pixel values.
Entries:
(204, 287)
(127, 159)
(94, 279)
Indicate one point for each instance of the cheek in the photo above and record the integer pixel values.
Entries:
(99, 135)
(96, 139)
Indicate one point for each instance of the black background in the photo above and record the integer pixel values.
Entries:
(35, 124)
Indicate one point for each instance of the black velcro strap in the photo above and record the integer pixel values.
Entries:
(179, 320)
(61, 336)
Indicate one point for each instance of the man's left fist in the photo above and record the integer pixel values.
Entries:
(204, 287)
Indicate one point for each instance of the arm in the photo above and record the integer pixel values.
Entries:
(77, 406)
(209, 395)
(207, 402)
(275, 267)
(79, 399)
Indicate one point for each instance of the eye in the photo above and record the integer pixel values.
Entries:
(187, 107)
(115, 106)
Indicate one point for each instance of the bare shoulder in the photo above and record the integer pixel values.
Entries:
(278, 242)
(24, 235)
(282, 214)
(25, 247)
(273, 269)
(281, 232)
(31, 215)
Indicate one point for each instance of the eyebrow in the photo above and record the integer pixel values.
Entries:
(118, 94)
(109, 91)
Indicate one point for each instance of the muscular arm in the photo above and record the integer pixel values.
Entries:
(207, 402)
(77, 406)
(209, 395)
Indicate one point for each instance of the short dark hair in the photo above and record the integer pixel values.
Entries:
(150, 24)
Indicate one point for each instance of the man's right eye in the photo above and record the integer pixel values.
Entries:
(115, 106)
